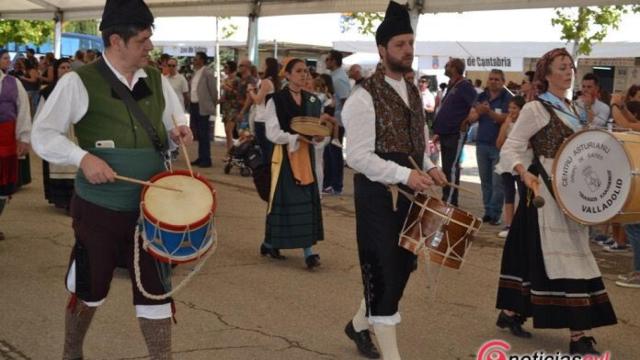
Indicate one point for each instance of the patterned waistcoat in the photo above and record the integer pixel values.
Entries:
(399, 129)
(548, 140)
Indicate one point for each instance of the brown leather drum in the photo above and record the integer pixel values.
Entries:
(311, 126)
(442, 230)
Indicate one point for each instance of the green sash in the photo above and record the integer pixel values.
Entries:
(140, 164)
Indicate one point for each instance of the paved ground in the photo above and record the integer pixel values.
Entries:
(243, 306)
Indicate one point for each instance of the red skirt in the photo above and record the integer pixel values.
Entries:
(8, 158)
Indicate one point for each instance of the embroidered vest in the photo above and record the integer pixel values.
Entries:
(8, 99)
(548, 140)
(399, 129)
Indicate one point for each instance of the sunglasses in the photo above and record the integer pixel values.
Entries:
(169, 65)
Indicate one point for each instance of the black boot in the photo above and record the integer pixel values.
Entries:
(274, 253)
(583, 346)
(363, 341)
(312, 261)
(514, 323)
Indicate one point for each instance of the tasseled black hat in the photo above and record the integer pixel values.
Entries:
(396, 22)
(126, 12)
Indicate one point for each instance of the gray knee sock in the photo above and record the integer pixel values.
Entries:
(76, 323)
(157, 335)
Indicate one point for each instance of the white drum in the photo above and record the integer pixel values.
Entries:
(595, 177)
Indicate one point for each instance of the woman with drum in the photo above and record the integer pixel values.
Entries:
(548, 271)
(294, 216)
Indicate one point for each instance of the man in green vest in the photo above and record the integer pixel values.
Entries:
(112, 141)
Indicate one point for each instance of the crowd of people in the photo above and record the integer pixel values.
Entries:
(387, 118)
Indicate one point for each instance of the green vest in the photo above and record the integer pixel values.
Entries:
(108, 118)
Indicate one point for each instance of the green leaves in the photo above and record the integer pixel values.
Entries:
(89, 27)
(25, 31)
(589, 25)
(365, 22)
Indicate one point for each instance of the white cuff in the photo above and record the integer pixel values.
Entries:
(154, 312)
(76, 156)
(392, 320)
(402, 175)
(71, 286)
(293, 142)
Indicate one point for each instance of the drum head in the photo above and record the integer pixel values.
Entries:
(592, 176)
(194, 203)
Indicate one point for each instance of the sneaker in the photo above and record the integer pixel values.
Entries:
(616, 248)
(503, 234)
(625, 277)
(600, 238)
(328, 190)
(631, 282)
(495, 222)
(607, 242)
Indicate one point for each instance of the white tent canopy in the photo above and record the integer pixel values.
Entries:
(87, 9)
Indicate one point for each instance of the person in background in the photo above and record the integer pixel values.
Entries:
(355, 74)
(478, 86)
(509, 179)
(78, 60)
(267, 86)
(58, 180)
(31, 82)
(203, 100)
(90, 56)
(15, 128)
(333, 157)
(178, 82)
(592, 111)
(492, 107)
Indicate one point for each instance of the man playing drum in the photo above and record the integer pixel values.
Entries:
(112, 141)
(385, 124)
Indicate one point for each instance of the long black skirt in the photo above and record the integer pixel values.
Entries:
(526, 289)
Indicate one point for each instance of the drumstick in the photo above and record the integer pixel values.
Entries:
(538, 201)
(147, 183)
(183, 147)
(461, 188)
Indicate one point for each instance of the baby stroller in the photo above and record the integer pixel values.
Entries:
(242, 155)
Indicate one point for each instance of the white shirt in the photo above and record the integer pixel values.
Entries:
(68, 104)
(601, 112)
(274, 133)
(194, 85)
(180, 86)
(359, 117)
(23, 121)
(428, 100)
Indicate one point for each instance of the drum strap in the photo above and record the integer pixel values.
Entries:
(132, 105)
(545, 176)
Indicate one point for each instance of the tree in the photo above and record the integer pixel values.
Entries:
(89, 27)
(25, 31)
(366, 22)
(589, 25)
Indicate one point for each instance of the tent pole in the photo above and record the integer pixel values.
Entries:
(57, 36)
(252, 37)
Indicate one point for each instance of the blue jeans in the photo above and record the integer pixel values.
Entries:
(334, 165)
(633, 235)
(203, 131)
(490, 182)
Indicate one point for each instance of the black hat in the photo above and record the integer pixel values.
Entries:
(126, 12)
(396, 22)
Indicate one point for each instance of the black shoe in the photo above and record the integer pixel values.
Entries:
(486, 218)
(583, 346)
(195, 162)
(514, 323)
(312, 261)
(363, 341)
(273, 253)
(204, 163)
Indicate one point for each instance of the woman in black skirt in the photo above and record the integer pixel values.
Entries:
(58, 179)
(548, 271)
(294, 216)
